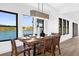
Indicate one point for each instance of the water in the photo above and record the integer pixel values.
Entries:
(5, 35)
(27, 32)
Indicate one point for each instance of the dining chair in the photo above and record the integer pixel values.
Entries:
(56, 41)
(20, 49)
(46, 46)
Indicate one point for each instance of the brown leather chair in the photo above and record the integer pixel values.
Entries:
(20, 49)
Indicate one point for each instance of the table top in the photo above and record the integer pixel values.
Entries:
(32, 39)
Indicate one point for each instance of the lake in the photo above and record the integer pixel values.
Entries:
(5, 35)
(27, 32)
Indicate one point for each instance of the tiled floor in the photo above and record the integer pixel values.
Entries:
(68, 48)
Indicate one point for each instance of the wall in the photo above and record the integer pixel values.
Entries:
(52, 22)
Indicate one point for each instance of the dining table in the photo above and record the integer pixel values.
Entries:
(33, 41)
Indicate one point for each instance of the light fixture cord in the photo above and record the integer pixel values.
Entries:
(42, 7)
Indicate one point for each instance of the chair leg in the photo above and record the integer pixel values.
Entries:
(53, 50)
(11, 53)
(24, 47)
(24, 53)
(29, 53)
(53, 53)
(38, 51)
(44, 52)
(59, 49)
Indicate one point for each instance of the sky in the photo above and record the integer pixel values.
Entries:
(26, 20)
(10, 19)
(7, 19)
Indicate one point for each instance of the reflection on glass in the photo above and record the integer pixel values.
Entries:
(27, 26)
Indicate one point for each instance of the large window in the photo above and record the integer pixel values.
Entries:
(27, 25)
(63, 24)
(8, 25)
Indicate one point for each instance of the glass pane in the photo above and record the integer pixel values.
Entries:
(27, 25)
(7, 19)
(40, 24)
(67, 27)
(60, 26)
(64, 26)
(7, 26)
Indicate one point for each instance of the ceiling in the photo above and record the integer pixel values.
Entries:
(65, 7)
(61, 7)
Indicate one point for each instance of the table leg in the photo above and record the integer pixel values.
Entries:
(24, 47)
(34, 50)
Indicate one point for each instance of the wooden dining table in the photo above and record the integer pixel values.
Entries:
(31, 41)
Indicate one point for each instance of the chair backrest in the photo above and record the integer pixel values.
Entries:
(47, 42)
(56, 38)
(57, 35)
(14, 48)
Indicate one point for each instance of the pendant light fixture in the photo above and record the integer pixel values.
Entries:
(39, 13)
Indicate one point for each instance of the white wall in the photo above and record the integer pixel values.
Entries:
(52, 23)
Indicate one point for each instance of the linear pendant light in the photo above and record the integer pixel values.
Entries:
(37, 13)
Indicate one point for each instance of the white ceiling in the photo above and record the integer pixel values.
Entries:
(61, 7)
(65, 7)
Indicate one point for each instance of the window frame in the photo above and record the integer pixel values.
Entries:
(66, 25)
(60, 26)
(15, 26)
